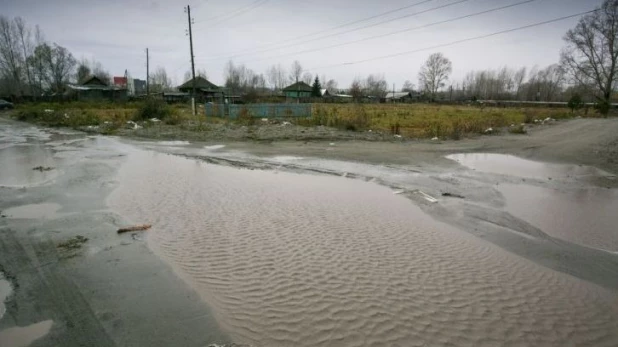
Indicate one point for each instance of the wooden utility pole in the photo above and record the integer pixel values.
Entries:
(393, 93)
(147, 74)
(192, 59)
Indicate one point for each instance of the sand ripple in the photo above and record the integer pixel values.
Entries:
(293, 260)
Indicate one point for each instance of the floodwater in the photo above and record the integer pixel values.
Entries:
(579, 213)
(33, 211)
(586, 216)
(505, 164)
(24, 336)
(308, 260)
(17, 164)
(5, 291)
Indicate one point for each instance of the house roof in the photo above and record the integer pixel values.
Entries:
(93, 80)
(397, 95)
(298, 86)
(200, 83)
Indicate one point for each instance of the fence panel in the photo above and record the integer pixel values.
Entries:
(270, 110)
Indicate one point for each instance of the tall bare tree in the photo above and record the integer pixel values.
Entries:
(307, 78)
(356, 89)
(407, 86)
(331, 85)
(25, 40)
(160, 80)
(296, 71)
(376, 86)
(11, 58)
(276, 76)
(83, 71)
(591, 53)
(434, 73)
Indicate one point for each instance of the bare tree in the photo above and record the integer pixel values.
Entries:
(296, 71)
(11, 59)
(356, 89)
(276, 76)
(307, 78)
(25, 39)
(331, 85)
(407, 86)
(61, 64)
(518, 79)
(434, 73)
(201, 73)
(591, 54)
(376, 86)
(160, 81)
(83, 71)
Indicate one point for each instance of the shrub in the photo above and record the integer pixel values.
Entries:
(245, 117)
(575, 102)
(153, 108)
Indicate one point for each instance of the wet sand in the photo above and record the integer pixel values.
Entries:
(109, 291)
(288, 259)
(312, 244)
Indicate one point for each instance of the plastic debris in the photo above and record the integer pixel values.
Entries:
(435, 139)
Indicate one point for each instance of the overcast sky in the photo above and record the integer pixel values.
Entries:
(116, 33)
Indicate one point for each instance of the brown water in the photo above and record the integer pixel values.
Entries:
(33, 211)
(586, 216)
(505, 164)
(297, 260)
(17, 163)
(24, 336)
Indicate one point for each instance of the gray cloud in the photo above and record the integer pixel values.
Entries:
(116, 33)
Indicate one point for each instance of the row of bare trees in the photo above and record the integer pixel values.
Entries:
(29, 65)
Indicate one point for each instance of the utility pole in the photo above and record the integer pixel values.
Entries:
(147, 74)
(393, 93)
(188, 10)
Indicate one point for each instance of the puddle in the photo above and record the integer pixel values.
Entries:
(17, 163)
(34, 211)
(172, 143)
(586, 216)
(5, 291)
(505, 164)
(24, 336)
(287, 259)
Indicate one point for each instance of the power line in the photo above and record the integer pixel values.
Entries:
(456, 42)
(234, 13)
(352, 30)
(329, 29)
(397, 31)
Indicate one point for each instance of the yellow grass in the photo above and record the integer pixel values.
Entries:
(425, 120)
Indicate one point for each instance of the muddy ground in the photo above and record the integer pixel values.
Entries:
(67, 264)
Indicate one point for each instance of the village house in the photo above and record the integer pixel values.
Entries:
(297, 90)
(94, 88)
(204, 89)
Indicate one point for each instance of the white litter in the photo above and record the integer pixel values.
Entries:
(154, 120)
(397, 192)
(398, 136)
(489, 130)
(48, 111)
(426, 196)
(435, 139)
(264, 119)
(332, 143)
(286, 123)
